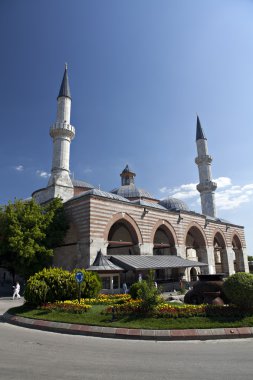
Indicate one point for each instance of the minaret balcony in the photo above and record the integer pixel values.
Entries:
(206, 159)
(62, 129)
(207, 186)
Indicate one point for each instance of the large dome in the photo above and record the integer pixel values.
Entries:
(174, 204)
(131, 191)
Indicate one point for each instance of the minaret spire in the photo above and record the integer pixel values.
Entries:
(199, 133)
(62, 132)
(206, 186)
(65, 89)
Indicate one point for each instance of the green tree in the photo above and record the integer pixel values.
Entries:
(28, 234)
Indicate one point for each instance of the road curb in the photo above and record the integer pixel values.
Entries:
(124, 333)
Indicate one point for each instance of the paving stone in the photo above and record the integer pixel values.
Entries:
(135, 332)
(231, 331)
(84, 328)
(160, 333)
(122, 331)
(218, 332)
(182, 333)
(148, 332)
(108, 330)
(244, 330)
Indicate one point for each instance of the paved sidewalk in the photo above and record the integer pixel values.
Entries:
(120, 333)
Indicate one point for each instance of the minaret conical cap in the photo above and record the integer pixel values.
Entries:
(65, 89)
(199, 133)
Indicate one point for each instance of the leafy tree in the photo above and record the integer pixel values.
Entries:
(250, 258)
(28, 234)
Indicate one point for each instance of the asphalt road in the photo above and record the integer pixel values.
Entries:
(30, 354)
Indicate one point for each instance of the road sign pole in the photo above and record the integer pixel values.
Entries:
(79, 291)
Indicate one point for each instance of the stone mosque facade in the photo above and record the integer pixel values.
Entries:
(123, 233)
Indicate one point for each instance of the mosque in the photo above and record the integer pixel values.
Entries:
(123, 233)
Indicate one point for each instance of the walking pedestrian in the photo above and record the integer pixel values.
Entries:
(125, 288)
(16, 290)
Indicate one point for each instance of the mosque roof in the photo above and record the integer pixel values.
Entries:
(65, 89)
(80, 183)
(174, 204)
(103, 194)
(143, 203)
(132, 191)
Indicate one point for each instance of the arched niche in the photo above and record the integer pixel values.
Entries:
(123, 237)
(238, 251)
(196, 244)
(220, 253)
(164, 241)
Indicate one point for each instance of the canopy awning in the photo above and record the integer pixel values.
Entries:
(136, 262)
(103, 264)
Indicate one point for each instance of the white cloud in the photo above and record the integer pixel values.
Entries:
(87, 170)
(42, 174)
(19, 168)
(222, 182)
(227, 195)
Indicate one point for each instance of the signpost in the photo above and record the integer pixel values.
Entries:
(79, 279)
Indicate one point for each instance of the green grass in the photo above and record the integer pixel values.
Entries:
(95, 317)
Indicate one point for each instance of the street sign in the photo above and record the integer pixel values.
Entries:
(79, 277)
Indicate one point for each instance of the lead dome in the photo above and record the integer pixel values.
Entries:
(174, 204)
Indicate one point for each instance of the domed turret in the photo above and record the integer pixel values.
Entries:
(128, 189)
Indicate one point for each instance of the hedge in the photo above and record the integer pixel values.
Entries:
(238, 288)
(56, 284)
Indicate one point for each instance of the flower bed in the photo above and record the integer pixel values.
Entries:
(165, 310)
(108, 299)
(67, 307)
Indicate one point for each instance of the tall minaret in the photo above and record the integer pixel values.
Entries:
(206, 186)
(62, 132)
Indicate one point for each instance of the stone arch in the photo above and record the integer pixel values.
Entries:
(123, 235)
(196, 243)
(163, 238)
(126, 217)
(220, 252)
(239, 265)
(167, 225)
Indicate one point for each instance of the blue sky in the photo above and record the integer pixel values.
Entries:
(139, 72)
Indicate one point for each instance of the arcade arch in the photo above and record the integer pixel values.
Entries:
(196, 250)
(164, 242)
(220, 253)
(123, 239)
(237, 248)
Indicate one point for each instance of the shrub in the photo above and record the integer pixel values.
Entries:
(91, 285)
(134, 289)
(238, 288)
(36, 291)
(147, 292)
(56, 284)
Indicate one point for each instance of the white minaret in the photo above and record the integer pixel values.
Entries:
(62, 132)
(206, 186)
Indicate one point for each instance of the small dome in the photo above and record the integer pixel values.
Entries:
(174, 204)
(131, 191)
